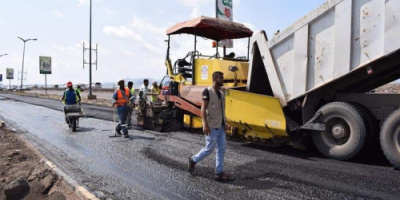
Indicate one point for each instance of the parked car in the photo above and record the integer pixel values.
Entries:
(83, 86)
(97, 85)
(26, 88)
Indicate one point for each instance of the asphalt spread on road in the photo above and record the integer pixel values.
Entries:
(152, 165)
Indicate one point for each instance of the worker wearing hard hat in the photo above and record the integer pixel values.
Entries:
(71, 96)
(131, 105)
(155, 91)
(121, 97)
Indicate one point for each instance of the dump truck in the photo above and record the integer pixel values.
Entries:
(316, 79)
(182, 87)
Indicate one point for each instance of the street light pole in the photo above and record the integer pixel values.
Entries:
(90, 50)
(23, 59)
(90, 96)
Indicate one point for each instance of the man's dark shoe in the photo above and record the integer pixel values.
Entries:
(191, 164)
(223, 177)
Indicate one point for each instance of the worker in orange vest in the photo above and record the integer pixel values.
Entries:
(121, 98)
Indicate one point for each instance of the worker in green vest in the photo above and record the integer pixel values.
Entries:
(155, 91)
(131, 105)
(79, 89)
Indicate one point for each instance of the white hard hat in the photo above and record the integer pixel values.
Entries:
(121, 79)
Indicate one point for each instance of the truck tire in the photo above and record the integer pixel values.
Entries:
(372, 137)
(390, 138)
(345, 131)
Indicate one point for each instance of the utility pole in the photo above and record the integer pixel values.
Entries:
(90, 96)
(23, 58)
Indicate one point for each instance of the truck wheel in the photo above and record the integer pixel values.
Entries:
(73, 121)
(390, 138)
(371, 139)
(344, 134)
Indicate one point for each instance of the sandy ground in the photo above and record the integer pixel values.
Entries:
(17, 159)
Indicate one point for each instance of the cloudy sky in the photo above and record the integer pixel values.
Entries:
(130, 33)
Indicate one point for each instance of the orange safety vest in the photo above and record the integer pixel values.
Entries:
(121, 101)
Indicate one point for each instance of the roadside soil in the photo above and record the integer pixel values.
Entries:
(19, 160)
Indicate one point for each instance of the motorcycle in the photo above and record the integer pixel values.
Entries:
(72, 115)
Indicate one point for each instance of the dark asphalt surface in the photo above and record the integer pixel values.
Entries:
(152, 165)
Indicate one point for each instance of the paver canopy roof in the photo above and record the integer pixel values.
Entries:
(211, 28)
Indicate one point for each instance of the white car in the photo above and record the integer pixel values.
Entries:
(97, 85)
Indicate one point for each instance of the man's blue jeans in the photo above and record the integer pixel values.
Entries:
(217, 138)
(122, 114)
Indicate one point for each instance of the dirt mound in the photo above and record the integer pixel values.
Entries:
(389, 88)
(19, 162)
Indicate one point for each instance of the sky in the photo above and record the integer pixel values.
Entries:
(130, 34)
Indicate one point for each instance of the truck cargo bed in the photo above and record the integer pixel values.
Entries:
(344, 45)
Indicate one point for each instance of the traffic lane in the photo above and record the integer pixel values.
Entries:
(85, 93)
(92, 111)
(263, 172)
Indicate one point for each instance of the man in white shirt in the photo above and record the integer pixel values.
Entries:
(144, 89)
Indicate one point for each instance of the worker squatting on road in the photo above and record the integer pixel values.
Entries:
(213, 111)
(130, 106)
(122, 97)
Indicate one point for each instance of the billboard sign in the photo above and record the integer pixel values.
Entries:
(10, 73)
(45, 64)
(225, 11)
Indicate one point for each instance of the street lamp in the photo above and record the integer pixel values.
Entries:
(3, 55)
(23, 57)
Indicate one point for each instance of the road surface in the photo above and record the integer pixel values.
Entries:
(153, 165)
(85, 93)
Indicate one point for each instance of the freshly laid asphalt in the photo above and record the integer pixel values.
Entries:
(152, 165)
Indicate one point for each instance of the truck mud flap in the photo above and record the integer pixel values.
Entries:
(312, 125)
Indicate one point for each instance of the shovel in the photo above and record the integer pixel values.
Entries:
(115, 133)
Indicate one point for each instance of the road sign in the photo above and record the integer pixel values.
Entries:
(10, 73)
(225, 11)
(45, 64)
(1, 77)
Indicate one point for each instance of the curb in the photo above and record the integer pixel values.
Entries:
(79, 190)
(82, 193)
